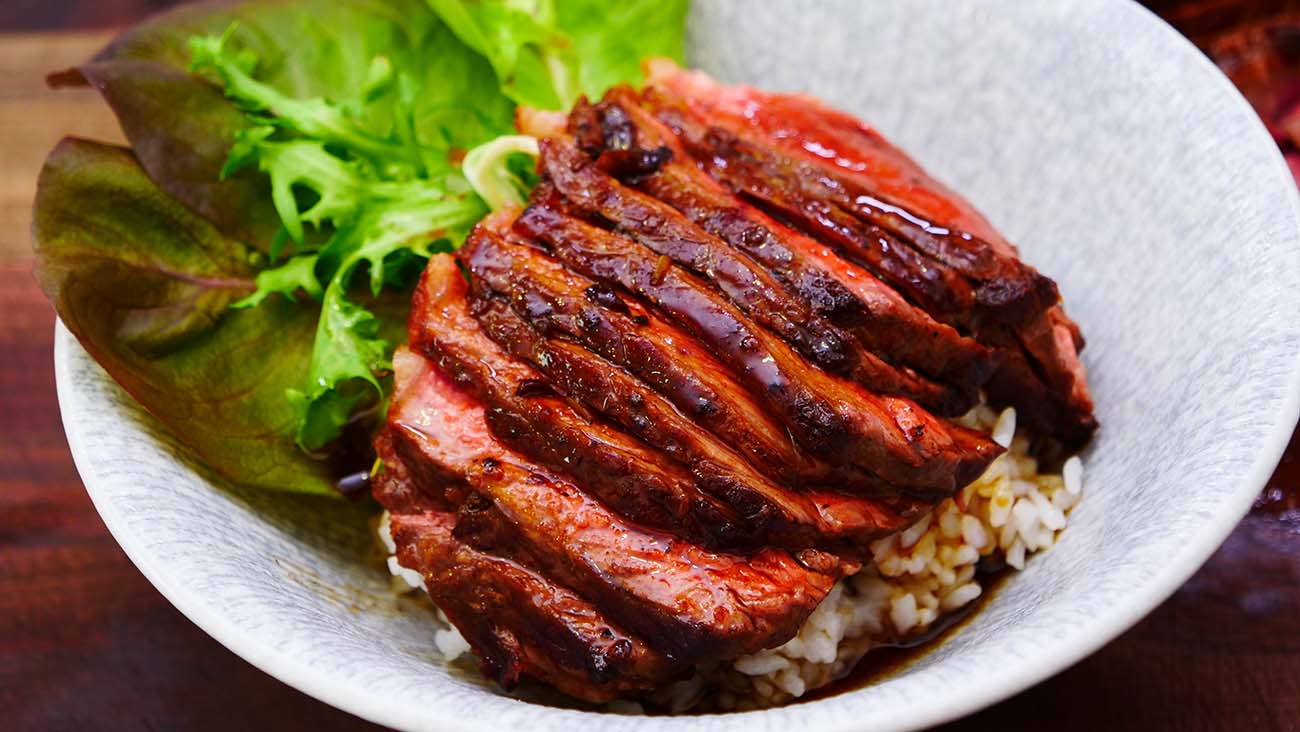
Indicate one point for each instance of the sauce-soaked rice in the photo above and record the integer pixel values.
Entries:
(883, 662)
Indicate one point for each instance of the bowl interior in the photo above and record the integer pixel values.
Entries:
(1093, 136)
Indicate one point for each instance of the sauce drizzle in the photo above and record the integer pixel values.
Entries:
(883, 662)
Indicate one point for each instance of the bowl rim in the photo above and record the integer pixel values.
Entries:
(1104, 627)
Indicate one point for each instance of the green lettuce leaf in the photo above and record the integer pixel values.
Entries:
(384, 84)
(610, 39)
(146, 286)
(376, 195)
(547, 53)
(182, 127)
(519, 40)
(293, 164)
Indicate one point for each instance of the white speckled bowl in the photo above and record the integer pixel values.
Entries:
(1104, 144)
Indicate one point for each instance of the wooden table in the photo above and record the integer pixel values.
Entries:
(87, 643)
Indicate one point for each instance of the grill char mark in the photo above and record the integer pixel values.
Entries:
(832, 418)
(521, 623)
(590, 193)
(773, 514)
(559, 303)
(847, 295)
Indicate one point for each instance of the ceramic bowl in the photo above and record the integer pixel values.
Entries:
(1118, 158)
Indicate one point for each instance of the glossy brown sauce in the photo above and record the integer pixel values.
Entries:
(352, 455)
(883, 662)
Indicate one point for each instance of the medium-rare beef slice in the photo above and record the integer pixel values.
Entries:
(1005, 289)
(772, 514)
(686, 601)
(521, 624)
(626, 474)
(409, 483)
(1042, 359)
(562, 303)
(848, 295)
(590, 193)
(836, 419)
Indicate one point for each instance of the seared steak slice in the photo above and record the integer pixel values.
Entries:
(846, 152)
(588, 192)
(521, 624)
(848, 295)
(561, 303)
(525, 413)
(805, 127)
(833, 418)
(686, 601)
(773, 514)
(592, 193)
(1042, 377)
(409, 483)
(1006, 290)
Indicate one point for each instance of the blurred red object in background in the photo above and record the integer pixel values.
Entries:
(1257, 44)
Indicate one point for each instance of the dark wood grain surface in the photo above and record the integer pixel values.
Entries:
(87, 644)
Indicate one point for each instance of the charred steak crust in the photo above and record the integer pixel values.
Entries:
(583, 189)
(833, 418)
(522, 623)
(836, 178)
(848, 296)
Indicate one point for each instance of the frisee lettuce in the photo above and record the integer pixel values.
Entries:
(323, 143)
(375, 199)
(392, 195)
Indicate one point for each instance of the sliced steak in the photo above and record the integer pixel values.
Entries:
(942, 292)
(848, 295)
(686, 601)
(833, 418)
(679, 395)
(1006, 290)
(592, 193)
(856, 158)
(773, 514)
(561, 303)
(589, 192)
(527, 415)
(521, 624)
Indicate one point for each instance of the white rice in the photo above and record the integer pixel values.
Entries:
(449, 642)
(404, 580)
(917, 576)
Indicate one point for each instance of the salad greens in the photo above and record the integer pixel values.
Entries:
(383, 199)
(243, 269)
